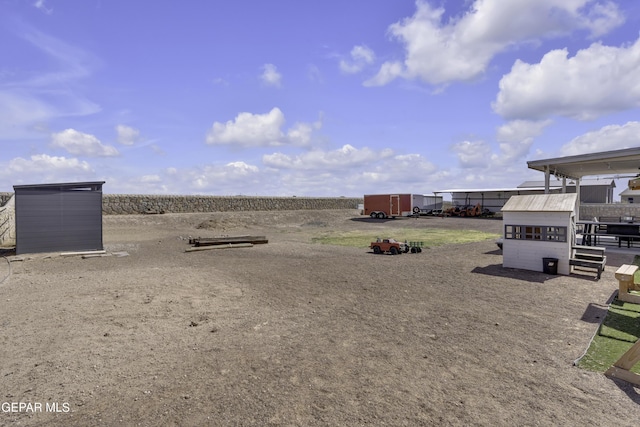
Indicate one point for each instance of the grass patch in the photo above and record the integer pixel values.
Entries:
(617, 334)
(430, 236)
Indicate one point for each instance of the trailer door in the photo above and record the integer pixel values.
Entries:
(394, 208)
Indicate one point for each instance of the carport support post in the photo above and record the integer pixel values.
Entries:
(547, 178)
(577, 199)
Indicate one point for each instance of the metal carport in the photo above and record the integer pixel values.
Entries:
(626, 161)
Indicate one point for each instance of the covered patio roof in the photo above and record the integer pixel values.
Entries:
(616, 162)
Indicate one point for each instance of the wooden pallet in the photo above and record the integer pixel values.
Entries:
(209, 241)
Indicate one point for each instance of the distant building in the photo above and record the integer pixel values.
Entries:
(591, 191)
(630, 196)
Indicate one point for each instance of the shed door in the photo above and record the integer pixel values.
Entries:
(50, 220)
(395, 205)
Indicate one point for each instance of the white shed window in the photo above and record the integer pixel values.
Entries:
(536, 232)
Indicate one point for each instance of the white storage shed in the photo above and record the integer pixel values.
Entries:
(538, 226)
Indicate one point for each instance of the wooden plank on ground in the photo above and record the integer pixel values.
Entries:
(83, 253)
(204, 241)
(219, 246)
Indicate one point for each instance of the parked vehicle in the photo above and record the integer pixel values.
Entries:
(392, 246)
(464, 211)
(395, 205)
(389, 246)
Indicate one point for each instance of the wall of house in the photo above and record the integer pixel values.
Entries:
(528, 254)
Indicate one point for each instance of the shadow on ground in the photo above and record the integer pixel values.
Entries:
(511, 273)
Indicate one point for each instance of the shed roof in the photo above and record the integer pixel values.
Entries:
(564, 202)
(630, 192)
(96, 184)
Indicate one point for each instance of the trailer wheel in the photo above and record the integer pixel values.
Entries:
(393, 250)
(373, 215)
(413, 250)
(376, 250)
(416, 210)
(380, 215)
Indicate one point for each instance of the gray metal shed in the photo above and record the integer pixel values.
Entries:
(58, 217)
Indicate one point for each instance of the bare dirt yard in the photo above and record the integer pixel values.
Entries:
(296, 333)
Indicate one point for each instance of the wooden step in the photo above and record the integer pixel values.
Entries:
(597, 264)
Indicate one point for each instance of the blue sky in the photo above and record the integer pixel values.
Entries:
(311, 98)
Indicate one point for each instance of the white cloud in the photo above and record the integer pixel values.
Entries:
(82, 144)
(515, 139)
(151, 178)
(260, 130)
(300, 134)
(409, 165)
(350, 171)
(481, 167)
(484, 164)
(270, 75)
(42, 168)
(40, 4)
(249, 130)
(345, 157)
(361, 56)
(612, 137)
(521, 130)
(461, 48)
(127, 135)
(388, 72)
(514, 143)
(231, 178)
(602, 18)
(596, 81)
(472, 154)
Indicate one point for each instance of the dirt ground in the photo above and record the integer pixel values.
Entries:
(295, 333)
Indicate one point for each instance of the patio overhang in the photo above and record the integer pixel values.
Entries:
(616, 162)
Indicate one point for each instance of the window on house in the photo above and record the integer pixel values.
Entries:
(536, 232)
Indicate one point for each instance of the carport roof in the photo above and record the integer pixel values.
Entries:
(593, 164)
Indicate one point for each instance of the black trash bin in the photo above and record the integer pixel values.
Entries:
(550, 265)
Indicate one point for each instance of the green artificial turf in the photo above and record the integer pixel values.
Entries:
(618, 332)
